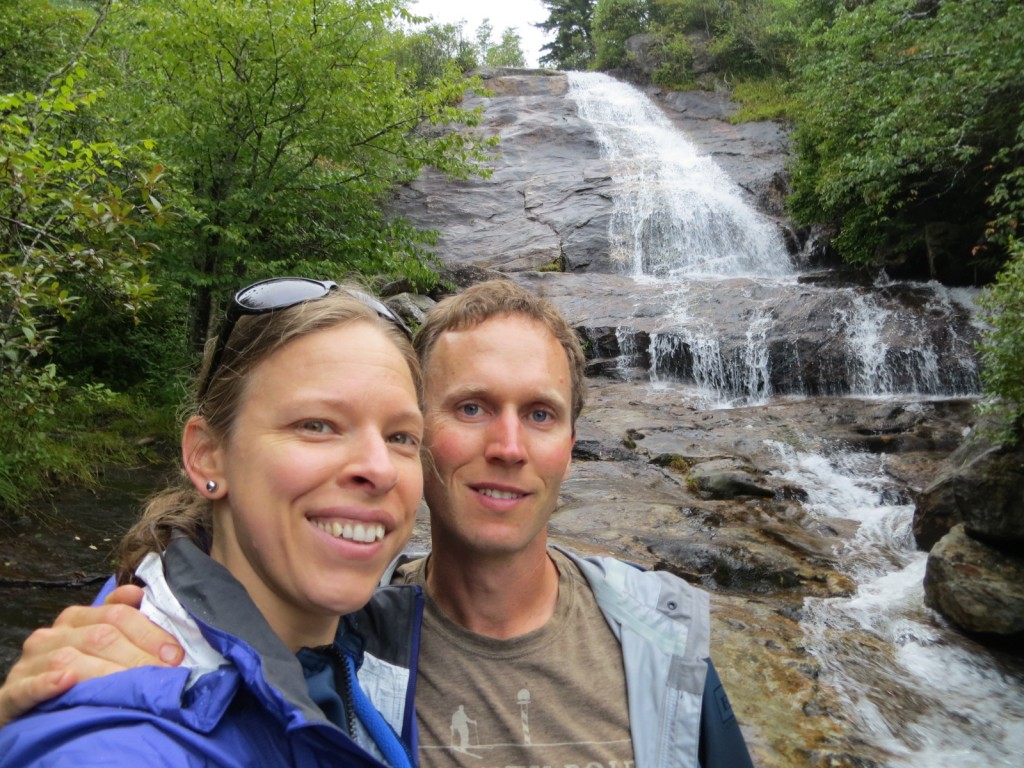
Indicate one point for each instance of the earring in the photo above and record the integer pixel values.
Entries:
(211, 485)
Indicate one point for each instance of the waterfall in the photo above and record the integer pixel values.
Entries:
(732, 295)
(676, 213)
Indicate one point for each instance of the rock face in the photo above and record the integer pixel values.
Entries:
(547, 197)
(981, 485)
(972, 519)
(976, 586)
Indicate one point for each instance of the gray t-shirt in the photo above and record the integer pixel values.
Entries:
(552, 697)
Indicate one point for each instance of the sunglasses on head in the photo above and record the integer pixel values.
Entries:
(282, 293)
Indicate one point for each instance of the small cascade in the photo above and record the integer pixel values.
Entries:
(925, 701)
(628, 353)
(740, 374)
(676, 212)
(864, 327)
(881, 361)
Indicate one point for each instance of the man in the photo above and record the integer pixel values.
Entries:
(529, 655)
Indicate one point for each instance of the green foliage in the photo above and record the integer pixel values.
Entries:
(433, 53)
(756, 37)
(68, 209)
(615, 21)
(507, 53)
(34, 39)
(767, 98)
(287, 123)
(573, 46)
(70, 212)
(147, 354)
(285, 126)
(744, 38)
(90, 427)
(687, 15)
(676, 71)
(1002, 349)
(907, 109)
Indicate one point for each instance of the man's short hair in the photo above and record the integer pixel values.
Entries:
(496, 298)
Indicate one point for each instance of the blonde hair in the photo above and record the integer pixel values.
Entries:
(181, 510)
(495, 298)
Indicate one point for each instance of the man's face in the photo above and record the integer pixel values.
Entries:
(498, 427)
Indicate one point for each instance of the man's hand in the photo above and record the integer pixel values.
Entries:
(82, 644)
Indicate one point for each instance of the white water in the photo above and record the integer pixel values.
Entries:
(917, 689)
(868, 325)
(676, 213)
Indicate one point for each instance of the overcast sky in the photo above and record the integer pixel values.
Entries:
(521, 14)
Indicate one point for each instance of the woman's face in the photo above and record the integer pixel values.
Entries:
(322, 478)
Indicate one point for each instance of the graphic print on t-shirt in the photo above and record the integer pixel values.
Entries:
(466, 734)
(501, 736)
(462, 737)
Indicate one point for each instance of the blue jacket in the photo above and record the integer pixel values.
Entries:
(253, 711)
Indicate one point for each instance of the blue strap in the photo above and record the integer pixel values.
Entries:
(380, 731)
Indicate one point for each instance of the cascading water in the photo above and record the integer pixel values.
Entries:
(730, 285)
(675, 212)
(934, 698)
(741, 325)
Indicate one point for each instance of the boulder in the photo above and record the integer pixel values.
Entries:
(725, 479)
(981, 485)
(975, 586)
(644, 53)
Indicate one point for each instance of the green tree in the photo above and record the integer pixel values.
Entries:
(615, 21)
(573, 46)
(70, 215)
(757, 37)
(909, 113)
(1002, 348)
(287, 123)
(483, 38)
(432, 53)
(35, 38)
(508, 52)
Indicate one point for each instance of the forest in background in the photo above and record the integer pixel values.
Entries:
(156, 154)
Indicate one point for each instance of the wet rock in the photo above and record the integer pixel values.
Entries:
(975, 586)
(412, 307)
(982, 485)
(725, 479)
(547, 198)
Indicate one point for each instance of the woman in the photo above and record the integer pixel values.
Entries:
(301, 481)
